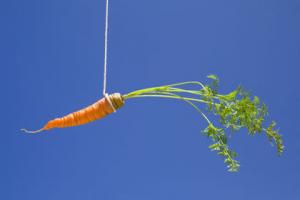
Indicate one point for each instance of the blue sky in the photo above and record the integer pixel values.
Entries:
(52, 60)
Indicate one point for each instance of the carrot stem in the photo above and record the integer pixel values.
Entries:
(235, 110)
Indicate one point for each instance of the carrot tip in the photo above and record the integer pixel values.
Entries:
(27, 131)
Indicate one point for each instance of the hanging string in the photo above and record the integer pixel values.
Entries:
(105, 48)
(105, 58)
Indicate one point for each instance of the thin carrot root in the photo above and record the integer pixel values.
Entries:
(98, 110)
(27, 131)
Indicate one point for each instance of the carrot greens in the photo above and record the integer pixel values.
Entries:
(234, 111)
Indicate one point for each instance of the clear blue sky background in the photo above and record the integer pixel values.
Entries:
(51, 64)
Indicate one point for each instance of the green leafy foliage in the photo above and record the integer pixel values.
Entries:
(220, 146)
(274, 137)
(237, 110)
(234, 110)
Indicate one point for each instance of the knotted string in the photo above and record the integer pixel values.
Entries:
(105, 57)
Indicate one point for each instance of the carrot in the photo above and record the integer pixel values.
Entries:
(98, 110)
(235, 110)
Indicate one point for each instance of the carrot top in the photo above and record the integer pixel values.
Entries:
(235, 110)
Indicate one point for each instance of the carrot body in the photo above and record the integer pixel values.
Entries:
(98, 110)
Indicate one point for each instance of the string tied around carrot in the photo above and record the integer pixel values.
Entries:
(103, 107)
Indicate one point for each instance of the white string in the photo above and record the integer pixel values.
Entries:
(105, 48)
(105, 58)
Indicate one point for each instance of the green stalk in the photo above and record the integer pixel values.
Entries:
(235, 110)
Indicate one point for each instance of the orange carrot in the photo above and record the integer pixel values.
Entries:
(98, 110)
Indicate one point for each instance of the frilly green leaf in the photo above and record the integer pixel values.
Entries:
(234, 110)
